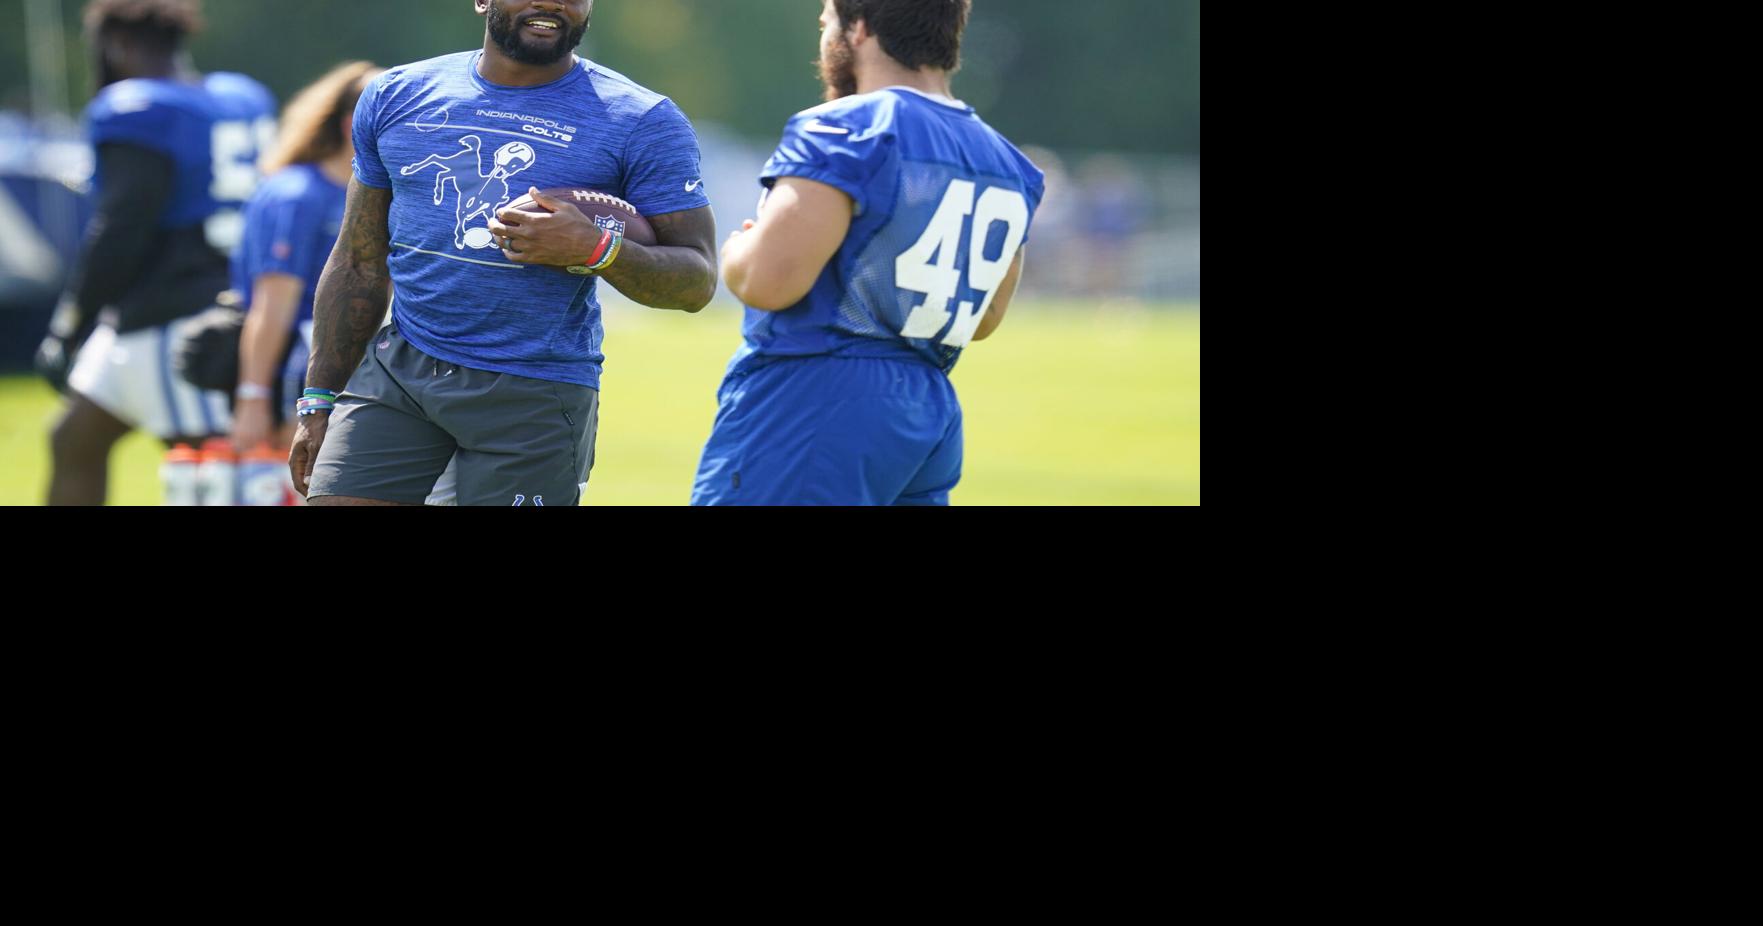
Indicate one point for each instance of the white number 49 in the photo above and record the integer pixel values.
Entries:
(929, 266)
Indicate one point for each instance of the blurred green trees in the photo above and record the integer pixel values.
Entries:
(1113, 74)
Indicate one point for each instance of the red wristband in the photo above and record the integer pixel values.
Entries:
(600, 250)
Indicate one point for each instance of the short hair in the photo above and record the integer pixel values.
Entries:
(162, 24)
(916, 33)
(313, 124)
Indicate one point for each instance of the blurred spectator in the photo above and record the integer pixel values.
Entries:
(1116, 201)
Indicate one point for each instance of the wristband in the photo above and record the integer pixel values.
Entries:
(603, 256)
(315, 401)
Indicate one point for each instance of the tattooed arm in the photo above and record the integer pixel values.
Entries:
(677, 272)
(353, 292)
(347, 310)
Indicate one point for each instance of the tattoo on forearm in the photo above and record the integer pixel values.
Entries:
(352, 293)
(680, 272)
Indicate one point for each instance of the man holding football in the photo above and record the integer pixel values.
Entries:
(890, 237)
(493, 351)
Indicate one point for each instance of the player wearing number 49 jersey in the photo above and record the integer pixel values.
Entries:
(889, 238)
(176, 160)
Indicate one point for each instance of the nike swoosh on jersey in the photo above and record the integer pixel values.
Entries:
(693, 186)
(824, 129)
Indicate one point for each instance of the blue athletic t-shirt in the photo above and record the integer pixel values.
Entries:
(291, 225)
(453, 148)
(942, 203)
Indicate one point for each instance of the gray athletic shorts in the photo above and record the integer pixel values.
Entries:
(404, 414)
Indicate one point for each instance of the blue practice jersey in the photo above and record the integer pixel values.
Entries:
(291, 225)
(244, 131)
(942, 205)
(213, 133)
(455, 148)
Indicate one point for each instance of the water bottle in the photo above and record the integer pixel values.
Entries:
(178, 474)
(218, 474)
(263, 478)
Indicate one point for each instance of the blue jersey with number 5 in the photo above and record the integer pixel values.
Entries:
(212, 132)
(942, 204)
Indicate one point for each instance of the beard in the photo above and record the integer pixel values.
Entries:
(838, 70)
(506, 34)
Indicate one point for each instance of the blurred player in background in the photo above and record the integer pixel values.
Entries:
(291, 226)
(890, 236)
(177, 158)
(493, 355)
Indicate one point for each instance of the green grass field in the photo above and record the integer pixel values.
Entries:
(1065, 405)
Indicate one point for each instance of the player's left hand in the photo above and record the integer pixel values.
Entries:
(561, 237)
(735, 235)
(54, 361)
(55, 356)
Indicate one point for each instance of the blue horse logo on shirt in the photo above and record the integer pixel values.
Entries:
(491, 195)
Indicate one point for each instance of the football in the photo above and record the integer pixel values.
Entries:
(607, 211)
